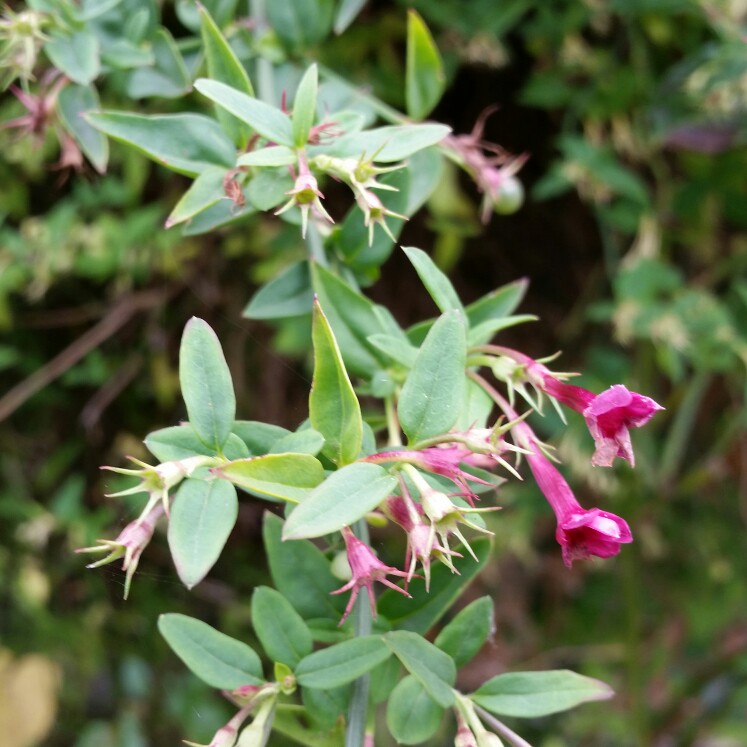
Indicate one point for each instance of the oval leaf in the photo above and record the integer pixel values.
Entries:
(289, 477)
(217, 659)
(534, 694)
(206, 190)
(424, 78)
(411, 714)
(206, 384)
(287, 294)
(282, 632)
(465, 635)
(344, 497)
(72, 103)
(436, 283)
(342, 662)
(268, 121)
(185, 143)
(432, 396)
(201, 520)
(304, 106)
(434, 669)
(77, 56)
(390, 143)
(334, 410)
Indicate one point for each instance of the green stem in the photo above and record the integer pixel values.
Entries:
(355, 730)
(315, 245)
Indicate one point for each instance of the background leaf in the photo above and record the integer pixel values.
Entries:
(73, 102)
(304, 106)
(412, 715)
(425, 80)
(465, 635)
(281, 630)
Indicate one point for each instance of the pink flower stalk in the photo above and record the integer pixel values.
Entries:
(227, 735)
(366, 569)
(581, 532)
(132, 540)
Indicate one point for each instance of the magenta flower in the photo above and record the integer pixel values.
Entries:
(581, 532)
(609, 415)
(366, 569)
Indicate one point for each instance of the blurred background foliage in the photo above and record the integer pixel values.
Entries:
(633, 236)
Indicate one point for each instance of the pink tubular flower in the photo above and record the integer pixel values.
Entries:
(366, 569)
(608, 417)
(133, 539)
(581, 532)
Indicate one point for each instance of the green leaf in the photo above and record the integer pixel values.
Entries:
(206, 384)
(383, 679)
(299, 23)
(73, 102)
(346, 14)
(224, 65)
(434, 669)
(259, 437)
(206, 190)
(269, 188)
(344, 497)
(181, 441)
(535, 694)
(476, 409)
(432, 396)
(300, 572)
(425, 609)
(281, 630)
(485, 331)
(333, 407)
(223, 213)
(289, 477)
(168, 77)
(268, 121)
(76, 55)
(397, 348)
(352, 318)
(325, 707)
(217, 659)
(288, 294)
(498, 303)
(271, 155)
(185, 143)
(465, 635)
(201, 520)
(424, 80)
(304, 106)
(307, 441)
(411, 714)
(435, 282)
(342, 663)
(388, 144)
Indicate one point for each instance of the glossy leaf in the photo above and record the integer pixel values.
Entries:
(342, 663)
(424, 80)
(304, 106)
(434, 669)
(425, 609)
(206, 384)
(390, 143)
(205, 191)
(432, 396)
(270, 155)
(465, 635)
(288, 477)
(436, 283)
(333, 407)
(300, 572)
(76, 55)
(181, 441)
(224, 66)
(352, 318)
(344, 497)
(535, 694)
(167, 77)
(497, 304)
(202, 517)
(217, 659)
(281, 630)
(185, 143)
(413, 717)
(268, 121)
(288, 294)
(73, 102)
